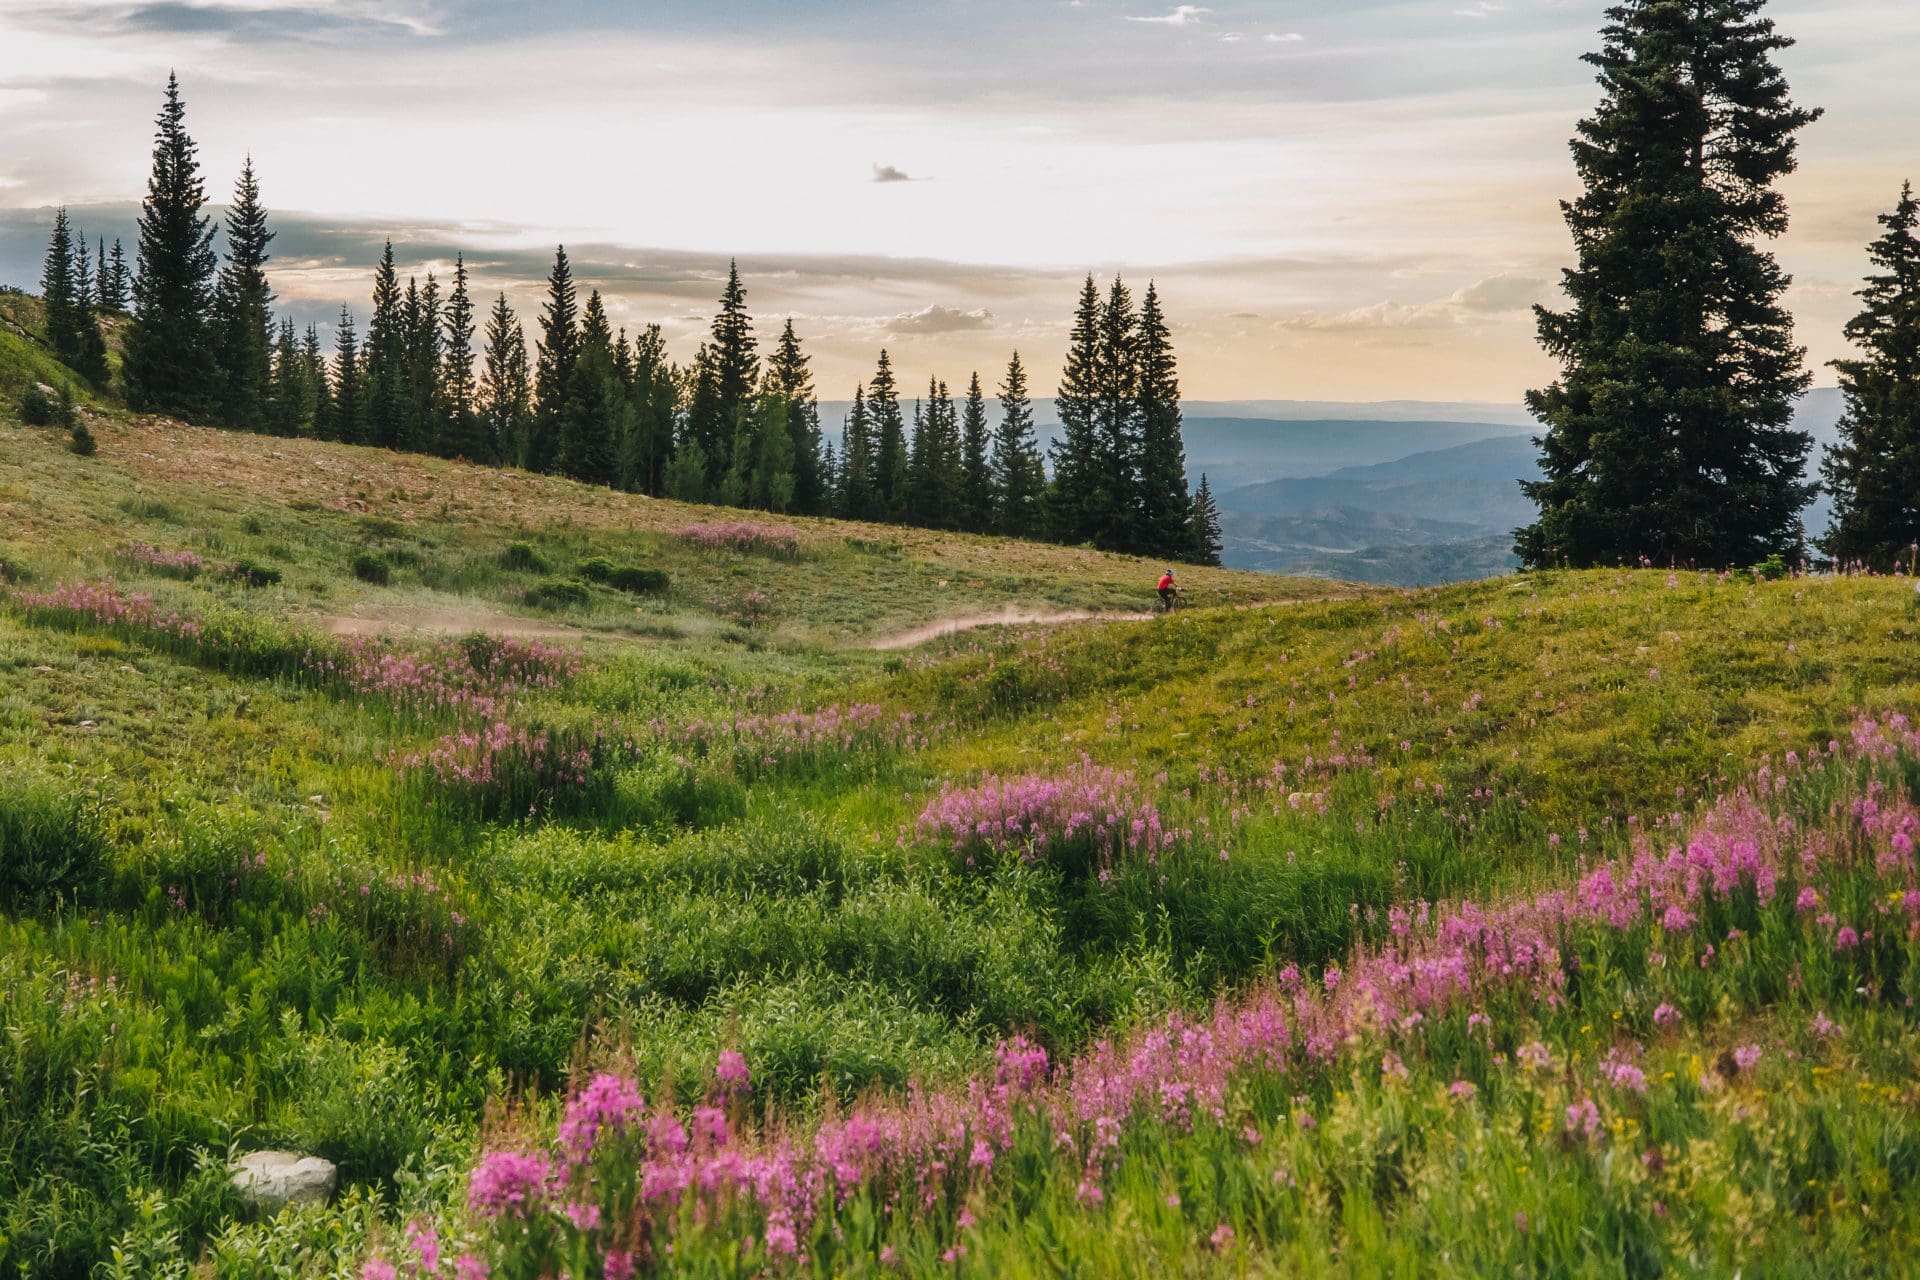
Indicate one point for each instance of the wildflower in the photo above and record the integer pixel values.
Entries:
(506, 1182)
(1222, 1238)
(1665, 1016)
(1807, 900)
(732, 1072)
(1846, 939)
(1464, 1090)
(1534, 1055)
(377, 1269)
(425, 1242)
(608, 1102)
(617, 1265)
(472, 1267)
(1583, 1119)
(1747, 1056)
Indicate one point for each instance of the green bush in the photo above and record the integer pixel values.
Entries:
(521, 557)
(249, 574)
(372, 566)
(625, 577)
(557, 593)
(83, 442)
(36, 407)
(52, 845)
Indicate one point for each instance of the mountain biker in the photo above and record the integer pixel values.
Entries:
(1168, 590)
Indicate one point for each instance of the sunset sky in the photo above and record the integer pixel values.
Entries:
(1339, 199)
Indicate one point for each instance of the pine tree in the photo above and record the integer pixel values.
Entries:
(859, 495)
(923, 498)
(1873, 473)
(1668, 435)
(423, 399)
(726, 378)
(89, 344)
(1073, 498)
(347, 414)
(1117, 504)
(242, 297)
(458, 429)
(1166, 510)
(506, 395)
(789, 378)
(383, 360)
(289, 398)
(313, 368)
(169, 363)
(595, 402)
(1019, 478)
(771, 483)
(686, 474)
(559, 348)
(56, 288)
(938, 482)
(976, 469)
(829, 480)
(653, 400)
(82, 272)
(891, 480)
(1204, 533)
(117, 285)
(102, 298)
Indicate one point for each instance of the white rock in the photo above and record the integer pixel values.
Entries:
(271, 1180)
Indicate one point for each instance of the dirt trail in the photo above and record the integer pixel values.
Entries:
(376, 620)
(1011, 616)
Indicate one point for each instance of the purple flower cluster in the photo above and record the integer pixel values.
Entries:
(1027, 816)
(102, 605)
(473, 760)
(471, 678)
(763, 742)
(175, 564)
(743, 536)
(927, 1152)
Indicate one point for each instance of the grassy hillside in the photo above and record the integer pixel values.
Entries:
(396, 900)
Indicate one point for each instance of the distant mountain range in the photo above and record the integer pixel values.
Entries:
(1401, 493)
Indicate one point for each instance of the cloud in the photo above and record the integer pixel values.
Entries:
(1185, 15)
(938, 319)
(1284, 37)
(254, 22)
(1480, 9)
(1500, 293)
(888, 173)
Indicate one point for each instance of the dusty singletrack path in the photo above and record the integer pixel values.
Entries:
(377, 620)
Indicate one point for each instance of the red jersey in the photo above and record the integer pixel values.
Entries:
(1166, 582)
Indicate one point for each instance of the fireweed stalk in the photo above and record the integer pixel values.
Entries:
(1815, 861)
(1084, 820)
(797, 741)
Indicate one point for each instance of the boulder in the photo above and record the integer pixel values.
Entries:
(271, 1180)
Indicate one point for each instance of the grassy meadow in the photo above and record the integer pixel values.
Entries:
(1554, 925)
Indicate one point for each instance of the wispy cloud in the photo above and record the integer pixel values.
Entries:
(1186, 15)
(1480, 9)
(939, 319)
(1284, 37)
(888, 173)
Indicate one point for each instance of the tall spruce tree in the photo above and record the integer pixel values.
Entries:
(1204, 541)
(789, 378)
(1873, 472)
(383, 360)
(1668, 435)
(169, 366)
(1117, 506)
(116, 286)
(73, 334)
(1166, 510)
(102, 302)
(976, 468)
(242, 320)
(314, 367)
(728, 374)
(1074, 496)
(506, 392)
(559, 348)
(1019, 478)
(654, 400)
(859, 496)
(347, 410)
(461, 433)
(289, 399)
(596, 400)
(891, 477)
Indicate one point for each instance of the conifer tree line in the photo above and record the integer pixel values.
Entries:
(738, 426)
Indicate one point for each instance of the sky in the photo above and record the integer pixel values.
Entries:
(1337, 199)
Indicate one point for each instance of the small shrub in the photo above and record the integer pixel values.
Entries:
(249, 574)
(36, 406)
(253, 526)
(1773, 568)
(625, 577)
(379, 528)
(52, 846)
(373, 567)
(82, 442)
(557, 593)
(522, 557)
(149, 509)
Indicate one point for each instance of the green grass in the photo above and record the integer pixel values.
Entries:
(248, 926)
